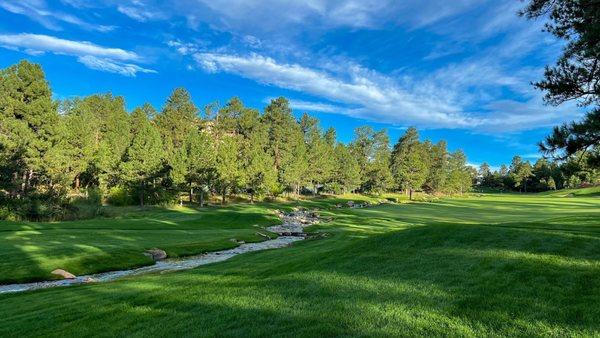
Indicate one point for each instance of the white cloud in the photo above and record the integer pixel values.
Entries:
(61, 46)
(438, 101)
(140, 11)
(97, 57)
(38, 11)
(110, 66)
(311, 106)
(377, 96)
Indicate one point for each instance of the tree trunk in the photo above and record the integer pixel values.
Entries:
(223, 193)
(77, 183)
(142, 194)
(201, 198)
(191, 194)
(24, 184)
(252, 197)
(410, 192)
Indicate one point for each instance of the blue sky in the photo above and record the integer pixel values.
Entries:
(457, 70)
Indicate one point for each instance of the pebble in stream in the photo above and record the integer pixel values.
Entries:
(292, 224)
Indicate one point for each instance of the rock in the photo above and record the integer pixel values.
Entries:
(64, 274)
(156, 254)
(350, 204)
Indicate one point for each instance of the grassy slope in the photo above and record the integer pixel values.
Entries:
(493, 265)
(29, 251)
(582, 192)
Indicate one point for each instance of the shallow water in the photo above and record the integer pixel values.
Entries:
(290, 225)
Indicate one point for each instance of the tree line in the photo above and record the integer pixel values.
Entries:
(545, 174)
(92, 145)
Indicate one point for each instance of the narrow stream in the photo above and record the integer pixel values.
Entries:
(291, 230)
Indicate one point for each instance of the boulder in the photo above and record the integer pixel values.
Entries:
(64, 274)
(156, 254)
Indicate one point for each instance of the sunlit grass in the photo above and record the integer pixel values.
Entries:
(494, 265)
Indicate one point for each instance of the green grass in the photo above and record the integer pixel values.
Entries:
(518, 265)
(30, 251)
(586, 192)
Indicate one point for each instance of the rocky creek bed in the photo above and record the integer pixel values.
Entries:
(291, 230)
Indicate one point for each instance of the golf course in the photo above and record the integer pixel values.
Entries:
(476, 265)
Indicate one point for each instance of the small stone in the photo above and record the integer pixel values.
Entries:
(64, 274)
(156, 254)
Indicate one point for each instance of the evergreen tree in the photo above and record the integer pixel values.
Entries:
(576, 75)
(28, 126)
(347, 170)
(438, 169)
(143, 157)
(177, 119)
(460, 176)
(379, 176)
(319, 152)
(520, 172)
(286, 144)
(200, 169)
(409, 167)
(228, 169)
(362, 150)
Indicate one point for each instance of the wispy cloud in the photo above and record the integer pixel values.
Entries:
(115, 60)
(110, 66)
(140, 11)
(438, 101)
(38, 11)
(376, 95)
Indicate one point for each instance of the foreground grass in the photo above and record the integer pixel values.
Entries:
(479, 266)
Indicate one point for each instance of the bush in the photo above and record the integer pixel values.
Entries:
(119, 196)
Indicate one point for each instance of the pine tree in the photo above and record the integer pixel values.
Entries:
(177, 119)
(319, 152)
(347, 170)
(286, 143)
(258, 167)
(409, 166)
(361, 148)
(28, 125)
(143, 157)
(520, 172)
(229, 171)
(379, 175)
(201, 171)
(460, 177)
(438, 169)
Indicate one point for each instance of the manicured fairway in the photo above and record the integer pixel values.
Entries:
(492, 265)
(30, 251)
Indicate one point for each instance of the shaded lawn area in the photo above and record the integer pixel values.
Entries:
(494, 265)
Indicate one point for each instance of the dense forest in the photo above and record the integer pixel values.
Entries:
(57, 156)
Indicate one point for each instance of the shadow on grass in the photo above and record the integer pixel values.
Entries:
(429, 280)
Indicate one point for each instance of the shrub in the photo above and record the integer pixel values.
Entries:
(119, 196)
